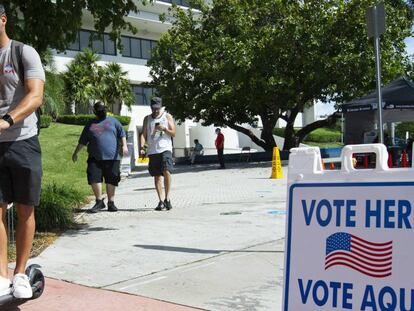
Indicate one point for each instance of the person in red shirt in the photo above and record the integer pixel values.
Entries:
(220, 147)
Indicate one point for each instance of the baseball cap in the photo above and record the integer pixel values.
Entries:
(156, 102)
(99, 106)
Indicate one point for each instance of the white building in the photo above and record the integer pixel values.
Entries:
(133, 59)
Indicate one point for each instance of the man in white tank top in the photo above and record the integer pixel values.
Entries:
(158, 130)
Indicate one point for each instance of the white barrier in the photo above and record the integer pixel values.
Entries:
(349, 234)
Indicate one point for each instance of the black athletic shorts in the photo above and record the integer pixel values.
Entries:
(20, 171)
(99, 169)
(159, 162)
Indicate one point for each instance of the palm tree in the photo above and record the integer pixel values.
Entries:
(114, 88)
(81, 80)
(86, 82)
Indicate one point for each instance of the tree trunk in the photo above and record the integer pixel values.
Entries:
(267, 132)
(267, 144)
(290, 137)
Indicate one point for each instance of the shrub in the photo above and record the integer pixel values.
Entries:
(55, 211)
(45, 121)
(83, 119)
(324, 135)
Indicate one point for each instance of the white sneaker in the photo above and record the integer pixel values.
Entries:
(21, 286)
(5, 286)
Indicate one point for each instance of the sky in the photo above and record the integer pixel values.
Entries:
(410, 45)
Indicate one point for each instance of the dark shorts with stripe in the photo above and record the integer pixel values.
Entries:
(20, 171)
(160, 162)
(103, 169)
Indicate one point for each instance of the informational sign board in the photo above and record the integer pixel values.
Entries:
(350, 234)
(375, 18)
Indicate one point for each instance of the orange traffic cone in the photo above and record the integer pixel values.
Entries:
(323, 165)
(332, 166)
(404, 159)
(389, 160)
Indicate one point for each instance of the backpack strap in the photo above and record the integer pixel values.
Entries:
(17, 59)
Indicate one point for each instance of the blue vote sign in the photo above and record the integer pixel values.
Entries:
(349, 246)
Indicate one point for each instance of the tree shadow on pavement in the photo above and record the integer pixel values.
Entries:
(198, 250)
(85, 210)
(84, 229)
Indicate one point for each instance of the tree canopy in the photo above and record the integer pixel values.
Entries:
(235, 61)
(55, 23)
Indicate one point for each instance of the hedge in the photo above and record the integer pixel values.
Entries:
(83, 119)
(321, 135)
(279, 132)
(324, 135)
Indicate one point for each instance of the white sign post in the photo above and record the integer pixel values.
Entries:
(350, 234)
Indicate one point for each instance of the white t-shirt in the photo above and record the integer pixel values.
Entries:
(12, 90)
(158, 141)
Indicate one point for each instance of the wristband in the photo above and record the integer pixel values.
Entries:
(8, 119)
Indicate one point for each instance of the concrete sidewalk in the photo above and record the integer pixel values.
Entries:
(219, 248)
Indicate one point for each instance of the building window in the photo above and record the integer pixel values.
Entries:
(143, 95)
(137, 47)
(101, 43)
(179, 2)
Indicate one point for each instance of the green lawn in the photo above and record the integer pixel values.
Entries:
(58, 142)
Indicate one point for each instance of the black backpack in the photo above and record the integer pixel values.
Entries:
(16, 55)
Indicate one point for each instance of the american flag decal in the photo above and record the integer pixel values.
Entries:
(372, 259)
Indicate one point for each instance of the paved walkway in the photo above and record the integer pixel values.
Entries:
(219, 248)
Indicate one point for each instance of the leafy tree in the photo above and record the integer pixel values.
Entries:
(404, 127)
(86, 82)
(236, 61)
(55, 23)
(53, 104)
